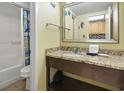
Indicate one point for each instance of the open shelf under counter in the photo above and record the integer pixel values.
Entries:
(70, 84)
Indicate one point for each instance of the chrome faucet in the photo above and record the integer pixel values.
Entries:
(76, 50)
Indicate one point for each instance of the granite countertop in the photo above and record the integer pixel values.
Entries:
(115, 62)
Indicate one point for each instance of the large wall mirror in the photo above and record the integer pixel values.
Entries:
(90, 22)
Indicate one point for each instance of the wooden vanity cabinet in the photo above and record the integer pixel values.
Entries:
(105, 75)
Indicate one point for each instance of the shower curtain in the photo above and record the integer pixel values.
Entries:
(26, 26)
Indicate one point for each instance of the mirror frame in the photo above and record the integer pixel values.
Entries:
(115, 25)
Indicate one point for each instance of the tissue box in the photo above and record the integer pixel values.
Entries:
(93, 49)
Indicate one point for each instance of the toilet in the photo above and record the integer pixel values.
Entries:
(25, 74)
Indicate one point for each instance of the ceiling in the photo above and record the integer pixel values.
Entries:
(89, 7)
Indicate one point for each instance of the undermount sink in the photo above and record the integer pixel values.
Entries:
(70, 55)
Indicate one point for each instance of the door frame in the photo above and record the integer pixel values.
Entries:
(33, 47)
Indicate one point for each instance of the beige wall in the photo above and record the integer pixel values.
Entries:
(47, 37)
(119, 46)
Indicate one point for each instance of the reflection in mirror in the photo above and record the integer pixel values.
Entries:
(91, 21)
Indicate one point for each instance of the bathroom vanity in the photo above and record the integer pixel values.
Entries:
(108, 70)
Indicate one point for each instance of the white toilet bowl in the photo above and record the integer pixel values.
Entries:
(25, 73)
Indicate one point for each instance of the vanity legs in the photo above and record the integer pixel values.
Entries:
(47, 75)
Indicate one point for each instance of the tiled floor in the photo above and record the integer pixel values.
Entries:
(18, 86)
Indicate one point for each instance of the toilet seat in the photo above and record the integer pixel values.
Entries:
(25, 72)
